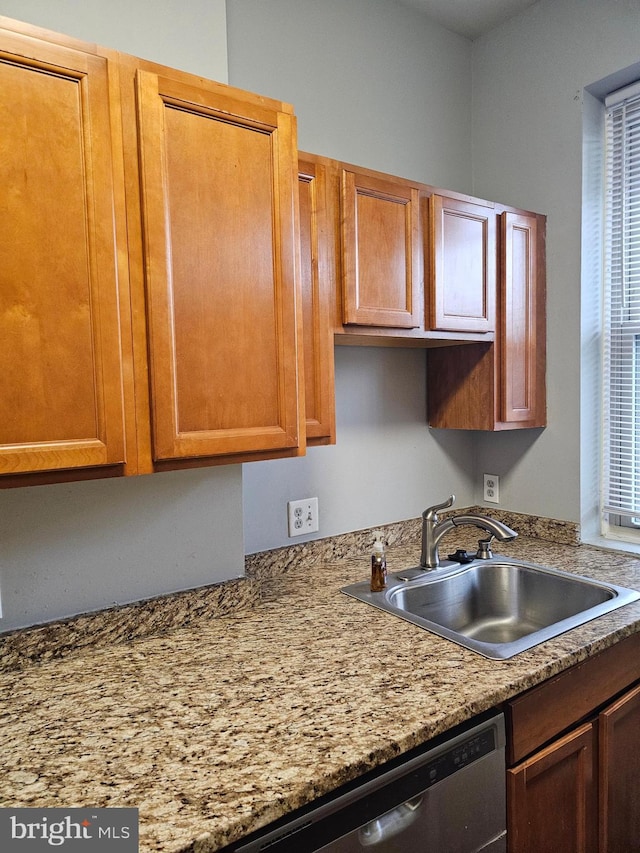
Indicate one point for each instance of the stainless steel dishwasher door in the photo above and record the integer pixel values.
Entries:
(450, 798)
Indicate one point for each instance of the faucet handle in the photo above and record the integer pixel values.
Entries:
(431, 513)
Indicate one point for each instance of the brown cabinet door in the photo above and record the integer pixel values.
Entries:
(463, 265)
(552, 804)
(317, 279)
(381, 252)
(619, 775)
(518, 342)
(60, 359)
(219, 204)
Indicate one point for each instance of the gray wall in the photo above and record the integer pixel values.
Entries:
(528, 115)
(190, 36)
(372, 82)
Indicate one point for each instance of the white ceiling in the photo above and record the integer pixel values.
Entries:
(470, 18)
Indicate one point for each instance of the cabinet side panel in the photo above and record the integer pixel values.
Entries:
(317, 293)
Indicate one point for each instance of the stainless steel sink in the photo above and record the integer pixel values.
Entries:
(497, 607)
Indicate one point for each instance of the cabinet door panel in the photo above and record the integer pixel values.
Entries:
(619, 746)
(60, 360)
(518, 297)
(551, 798)
(382, 257)
(463, 266)
(317, 291)
(218, 183)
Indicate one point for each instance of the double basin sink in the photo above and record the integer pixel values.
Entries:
(496, 607)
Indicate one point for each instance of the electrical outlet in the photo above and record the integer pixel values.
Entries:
(492, 488)
(303, 516)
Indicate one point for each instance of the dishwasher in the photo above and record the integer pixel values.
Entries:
(446, 797)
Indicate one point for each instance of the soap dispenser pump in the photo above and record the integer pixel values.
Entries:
(378, 564)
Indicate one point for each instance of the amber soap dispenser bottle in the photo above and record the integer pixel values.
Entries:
(378, 564)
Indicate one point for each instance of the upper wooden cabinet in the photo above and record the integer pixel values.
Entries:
(317, 273)
(61, 364)
(149, 266)
(381, 252)
(500, 385)
(218, 190)
(463, 265)
(414, 268)
(171, 276)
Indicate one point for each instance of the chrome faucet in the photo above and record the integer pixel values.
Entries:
(433, 531)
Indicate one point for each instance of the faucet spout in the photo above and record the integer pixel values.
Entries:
(433, 531)
(491, 525)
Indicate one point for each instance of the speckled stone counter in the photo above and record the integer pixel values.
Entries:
(225, 723)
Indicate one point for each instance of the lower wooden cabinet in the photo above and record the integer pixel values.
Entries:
(552, 798)
(578, 790)
(619, 774)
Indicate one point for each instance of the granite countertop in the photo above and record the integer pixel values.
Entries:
(217, 728)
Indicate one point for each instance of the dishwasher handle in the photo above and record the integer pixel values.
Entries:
(391, 823)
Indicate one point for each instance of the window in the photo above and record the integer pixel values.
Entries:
(621, 332)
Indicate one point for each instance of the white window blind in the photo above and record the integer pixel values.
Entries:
(621, 332)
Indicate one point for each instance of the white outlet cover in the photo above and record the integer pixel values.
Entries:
(491, 492)
(303, 516)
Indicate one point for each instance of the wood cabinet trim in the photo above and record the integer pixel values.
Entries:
(318, 284)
